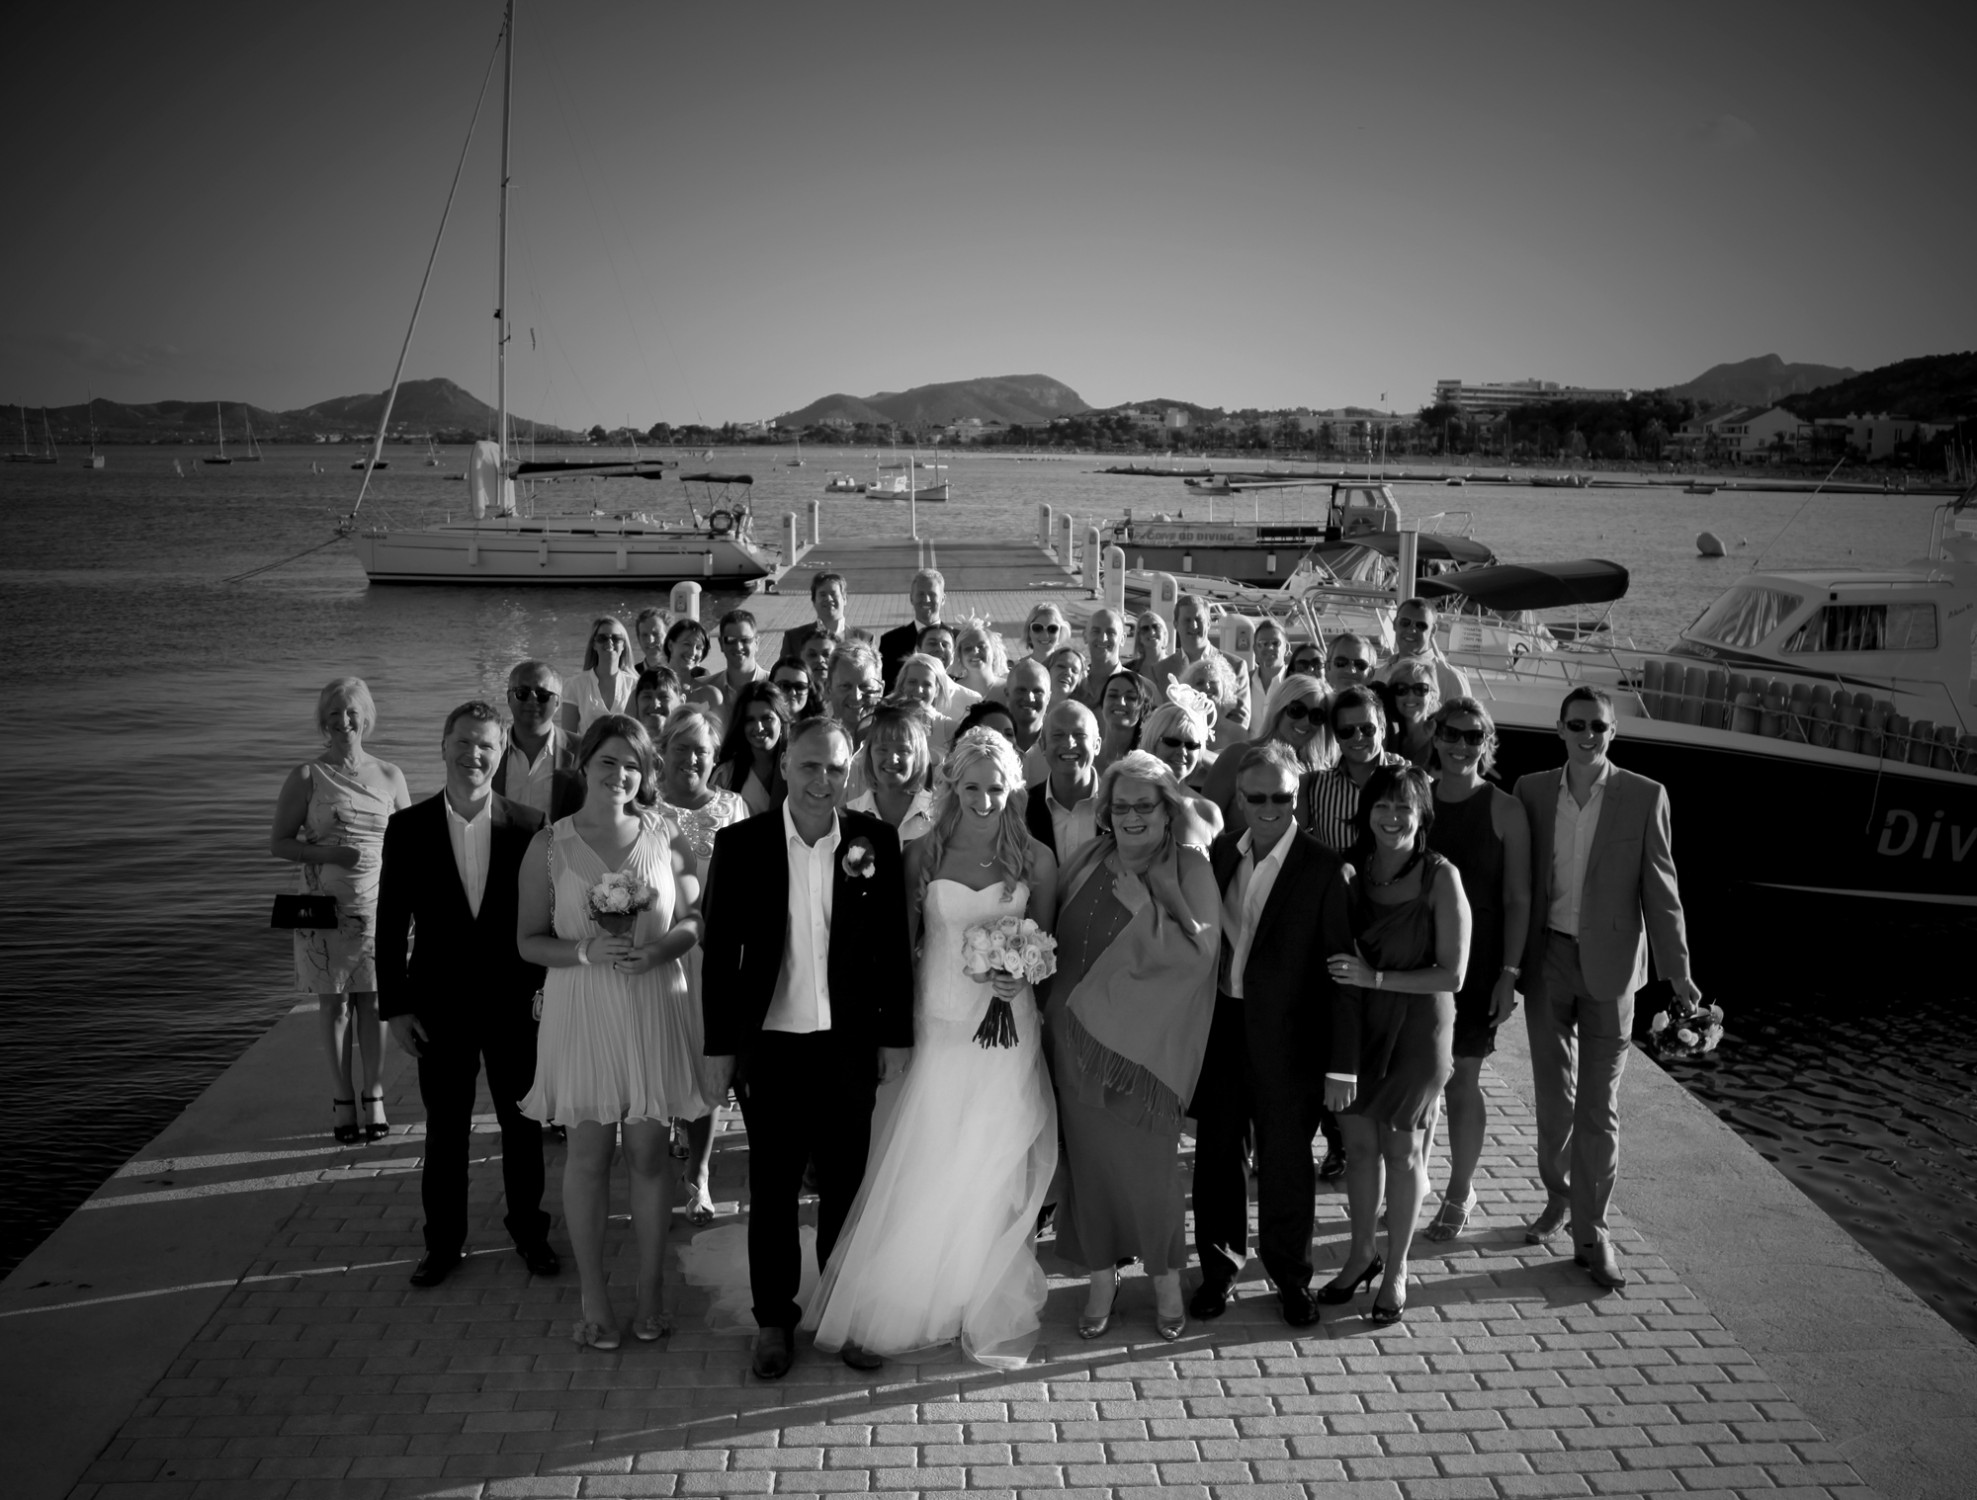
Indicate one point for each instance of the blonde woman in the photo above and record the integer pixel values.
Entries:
(608, 684)
(981, 660)
(941, 1242)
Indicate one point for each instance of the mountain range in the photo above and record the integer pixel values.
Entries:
(1019, 400)
(434, 406)
(1763, 381)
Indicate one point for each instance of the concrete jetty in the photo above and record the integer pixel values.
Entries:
(229, 1316)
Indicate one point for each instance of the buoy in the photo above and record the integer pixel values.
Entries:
(1708, 544)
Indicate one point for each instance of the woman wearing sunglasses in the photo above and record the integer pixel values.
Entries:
(1359, 726)
(1045, 630)
(607, 684)
(1415, 697)
(1294, 717)
(1177, 734)
(1150, 643)
(793, 678)
(1483, 832)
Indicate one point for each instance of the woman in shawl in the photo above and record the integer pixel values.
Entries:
(1127, 1018)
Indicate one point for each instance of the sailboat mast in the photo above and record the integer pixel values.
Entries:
(501, 310)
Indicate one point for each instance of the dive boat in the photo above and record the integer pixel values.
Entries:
(1816, 728)
(497, 544)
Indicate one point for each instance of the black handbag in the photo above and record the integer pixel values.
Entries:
(316, 913)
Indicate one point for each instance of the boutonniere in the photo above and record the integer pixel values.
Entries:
(861, 861)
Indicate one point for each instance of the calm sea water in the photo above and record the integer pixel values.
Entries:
(165, 704)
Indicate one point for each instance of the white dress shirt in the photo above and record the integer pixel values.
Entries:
(919, 819)
(531, 781)
(472, 840)
(802, 999)
(1072, 827)
(1571, 847)
(1243, 902)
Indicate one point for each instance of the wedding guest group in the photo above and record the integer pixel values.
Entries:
(630, 900)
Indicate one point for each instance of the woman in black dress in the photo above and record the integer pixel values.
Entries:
(1411, 928)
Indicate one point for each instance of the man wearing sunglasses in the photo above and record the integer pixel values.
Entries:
(539, 767)
(927, 593)
(1414, 640)
(1282, 1044)
(1349, 663)
(1603, 893)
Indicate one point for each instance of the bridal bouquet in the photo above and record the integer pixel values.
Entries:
(1016, 946)
(1685, 1030)
(615, 902)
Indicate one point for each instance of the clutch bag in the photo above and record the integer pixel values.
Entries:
(312, 912)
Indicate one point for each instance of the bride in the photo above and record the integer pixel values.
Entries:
(940, 1240)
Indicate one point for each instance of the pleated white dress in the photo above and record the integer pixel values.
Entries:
(614, 1046)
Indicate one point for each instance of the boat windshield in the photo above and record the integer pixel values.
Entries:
(1867, 627)
(1745, 616)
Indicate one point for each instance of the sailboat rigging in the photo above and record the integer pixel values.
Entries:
(219, 426)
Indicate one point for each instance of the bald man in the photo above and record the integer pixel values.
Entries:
(1063, 806)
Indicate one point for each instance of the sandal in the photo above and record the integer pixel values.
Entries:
(594, 1336)
(699, 1204)
(647, 1330)
(1451, 1218)
(377, 1127)
(347, 1135)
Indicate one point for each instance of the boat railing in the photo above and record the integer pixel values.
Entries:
(1801, 707)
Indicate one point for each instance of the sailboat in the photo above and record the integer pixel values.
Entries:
(253, 453)
(432, 454)
(95, 459)
(219, 424)
(505, 548)
(797, 462)
(26, 454)
(47, 455)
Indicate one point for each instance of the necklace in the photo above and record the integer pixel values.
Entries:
(1411, 861)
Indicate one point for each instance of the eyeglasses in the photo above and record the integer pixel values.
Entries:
(1277, 799)
(1449, 735)
(1588, 726)
(1357, 731)
(1412, 689)
(1300, 711)
(1351, 664)
(739, 641)
(1175, 742)
(1137, 809)
(1406, 624)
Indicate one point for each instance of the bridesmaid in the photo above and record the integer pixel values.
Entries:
(1127, 1016)
(1411, 926)
(329, 819)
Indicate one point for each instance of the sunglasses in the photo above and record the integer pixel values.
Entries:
(1470, 737)
(1136, 809)
(1301, 710)
(534, 694)
(1410, 624)
(1277, 799)
(1588, 726)
(1412, 689)
(1174, 742)
(793, 689)
(1351, 664)
(1357, 731)
(736, 641)
(1043, 629)
(611, 640)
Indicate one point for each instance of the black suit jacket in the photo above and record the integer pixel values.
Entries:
(746, 907)
(1036, 816)
(463, 969)
(1298, 1022)
(895, 646)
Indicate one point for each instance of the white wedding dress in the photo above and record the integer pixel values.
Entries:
(940, 1242)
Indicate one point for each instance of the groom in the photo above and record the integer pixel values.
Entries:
(807, 994)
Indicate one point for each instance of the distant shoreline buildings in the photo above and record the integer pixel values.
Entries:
(1489, 399)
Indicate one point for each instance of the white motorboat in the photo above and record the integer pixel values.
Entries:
(843, 484)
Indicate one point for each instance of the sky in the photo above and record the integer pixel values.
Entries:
(724, 212)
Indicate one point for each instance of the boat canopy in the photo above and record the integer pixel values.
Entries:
(1512, 587)
(1435, 546)
(710, 477)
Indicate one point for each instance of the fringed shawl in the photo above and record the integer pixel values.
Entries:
(1140, 1015)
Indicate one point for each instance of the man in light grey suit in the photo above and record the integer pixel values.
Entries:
(1603, 882)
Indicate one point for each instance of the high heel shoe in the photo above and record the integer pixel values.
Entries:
(351, 1134)
(1337, 1290)
(1091, 1326)
(1386, 1316)
(1172, 1328)
(376, 1128)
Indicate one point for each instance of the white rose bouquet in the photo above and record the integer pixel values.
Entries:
(1015, 946)
(615, 902)
(1685, 1029)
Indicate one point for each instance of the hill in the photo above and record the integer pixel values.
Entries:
(1763, 381)
(1020, 400)
(1931, 388)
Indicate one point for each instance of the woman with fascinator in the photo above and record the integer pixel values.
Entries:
(1177, 733)
(940, 1242)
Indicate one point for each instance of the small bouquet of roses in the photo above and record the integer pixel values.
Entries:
(1685, 1029)
(615, 902)
(1016, 946)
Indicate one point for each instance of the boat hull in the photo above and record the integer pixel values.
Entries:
(529, 553)
(1258, 565)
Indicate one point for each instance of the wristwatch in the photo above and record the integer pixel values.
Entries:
(1513, 971)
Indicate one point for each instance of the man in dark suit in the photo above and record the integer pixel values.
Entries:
(463, 993)
(1062, 809)
(928, 594)
(827, 598)
(807, 996)
(1603, 892)
(1283, 1041)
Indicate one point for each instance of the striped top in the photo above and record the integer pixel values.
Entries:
(1331, 801)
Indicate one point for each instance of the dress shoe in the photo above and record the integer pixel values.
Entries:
(433, 1268)
(861, 1358)
(1300, 1311)
(1210, 1300)
(539, 1258)
(1546, 1224)
(1601, 1264)
(1385, 1314)
(775, 1348)
(1338, 1290)
(1332, 1168)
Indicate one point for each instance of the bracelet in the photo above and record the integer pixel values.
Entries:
(583, 953)
(1379, 979)
(1513, 971)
